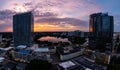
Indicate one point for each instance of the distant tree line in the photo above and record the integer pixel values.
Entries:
(39, 65)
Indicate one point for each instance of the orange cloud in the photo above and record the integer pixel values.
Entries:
(8, 29)
(46, 27)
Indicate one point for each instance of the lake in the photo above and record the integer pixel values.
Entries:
(53, 39)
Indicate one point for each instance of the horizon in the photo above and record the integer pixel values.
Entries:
(48, 31)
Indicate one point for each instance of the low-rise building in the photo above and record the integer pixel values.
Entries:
(65, 54)
(21, 66)
(69, 65)
(88, 64)
(23, 54)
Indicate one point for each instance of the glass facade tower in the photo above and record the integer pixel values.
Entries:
(101, 31)
(23, 29)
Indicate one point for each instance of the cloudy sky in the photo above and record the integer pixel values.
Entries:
(58, 15)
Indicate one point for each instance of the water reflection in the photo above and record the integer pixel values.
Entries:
(54, 39)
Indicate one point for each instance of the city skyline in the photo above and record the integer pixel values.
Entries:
(63, 15)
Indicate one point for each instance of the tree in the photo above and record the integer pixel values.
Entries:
(64, 44)
(117, 38)
(78, 40)
(39, 65)
(114, 63)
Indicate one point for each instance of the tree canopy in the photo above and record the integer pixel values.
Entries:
(39, 65)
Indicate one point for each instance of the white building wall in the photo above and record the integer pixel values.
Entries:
(69, 56)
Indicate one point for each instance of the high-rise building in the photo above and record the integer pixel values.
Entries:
(101, 31)
(23, 29)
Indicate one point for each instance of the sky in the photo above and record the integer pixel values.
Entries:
(58, 15)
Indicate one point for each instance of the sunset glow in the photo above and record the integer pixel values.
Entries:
(38, 27)
(57, 15)
(91, 29)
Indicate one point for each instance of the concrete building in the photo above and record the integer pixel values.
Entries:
(0, 37)
(67, 53)
(74, 33)
(88, 64)
(69, 65)
(23, 29)
(101, 31)
(22, 54)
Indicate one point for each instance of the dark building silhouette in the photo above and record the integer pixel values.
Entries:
(101, 31)
(23, 29)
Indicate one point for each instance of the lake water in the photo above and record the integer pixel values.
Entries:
(54, 39)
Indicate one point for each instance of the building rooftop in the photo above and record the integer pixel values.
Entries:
(102, 14)
(6, 49)
(24, 51)
(1, 59)
(88, 64)
(22, 46)
(67, 64)
(41, 50)
(23, 13)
